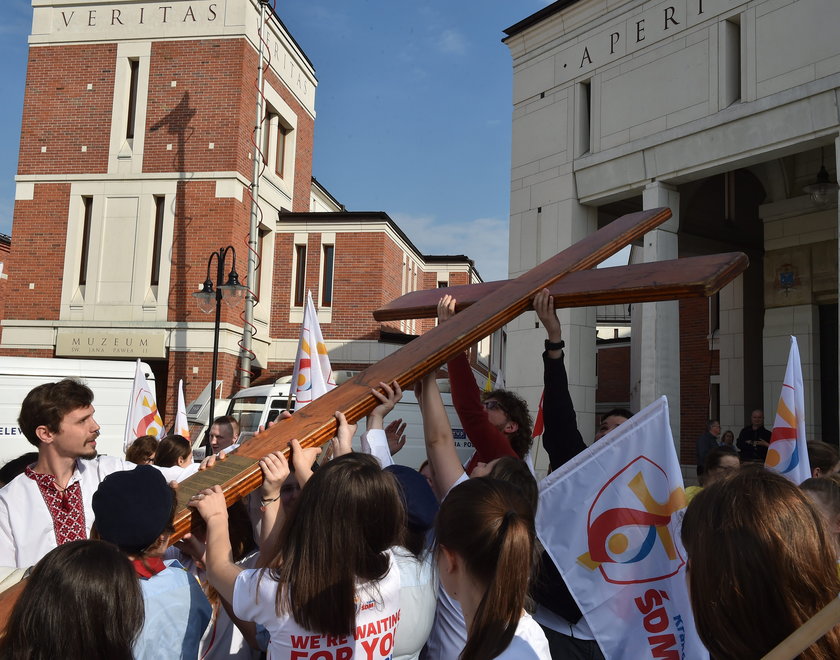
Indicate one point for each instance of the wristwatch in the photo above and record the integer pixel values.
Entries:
(552, 346)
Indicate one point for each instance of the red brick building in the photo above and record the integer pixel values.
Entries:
(136, 164)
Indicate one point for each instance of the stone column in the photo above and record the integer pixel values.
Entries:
(655, 360)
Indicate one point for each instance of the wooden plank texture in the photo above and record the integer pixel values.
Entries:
(691, 277)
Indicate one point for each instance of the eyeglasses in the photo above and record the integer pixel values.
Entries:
(492, 404)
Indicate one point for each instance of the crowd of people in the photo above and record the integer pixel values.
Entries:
(356, 557)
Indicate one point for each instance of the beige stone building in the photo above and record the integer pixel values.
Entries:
(725, 111)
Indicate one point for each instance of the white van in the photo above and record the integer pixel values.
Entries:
(110, 380)
(257, 406)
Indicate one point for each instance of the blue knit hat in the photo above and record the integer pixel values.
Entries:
(132, 508)
(421, 505)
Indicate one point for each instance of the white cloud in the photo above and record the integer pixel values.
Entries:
(484, 240)
(452, 41)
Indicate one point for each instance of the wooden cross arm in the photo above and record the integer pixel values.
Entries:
(691, 277)
(315, 424)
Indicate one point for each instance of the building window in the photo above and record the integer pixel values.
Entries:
(87, 210)
(265, 146)
(134, 81)
(255, 287)
(300, 275)
(731, 70)
(160, 205)
(327, 277)
(282, 135)
(584, 144)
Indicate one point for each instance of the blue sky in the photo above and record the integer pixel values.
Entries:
(413, 113)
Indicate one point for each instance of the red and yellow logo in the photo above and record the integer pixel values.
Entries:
(631, 545)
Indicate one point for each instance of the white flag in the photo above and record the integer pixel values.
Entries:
(788, 451)
(143, 417)
(610, 520)
(182, 426)
(313, 375)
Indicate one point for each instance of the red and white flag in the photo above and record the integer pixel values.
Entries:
(143, 417)
(788, 451)
(312, 375)
(181, 426)
(610, 520)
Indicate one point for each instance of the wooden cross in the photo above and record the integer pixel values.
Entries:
(487, 307)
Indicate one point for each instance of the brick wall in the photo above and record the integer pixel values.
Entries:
(205, 106)
(697, 365)
(40, 234)
(62, 114)
(203, 225)
(613, 374)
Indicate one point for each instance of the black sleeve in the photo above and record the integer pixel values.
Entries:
(561, 438)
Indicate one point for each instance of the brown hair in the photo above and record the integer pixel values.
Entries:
(348, 515)
(516, 471)
(47, 404)
(823, 456)
(171, 449)
(142, 449)
(490, 525)
(760, 565)
(516, 409)
(83, 600)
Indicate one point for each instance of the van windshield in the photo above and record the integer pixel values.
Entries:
(247, 411)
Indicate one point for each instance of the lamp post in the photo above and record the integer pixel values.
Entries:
(231, 291)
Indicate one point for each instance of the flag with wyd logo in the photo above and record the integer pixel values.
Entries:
(610, 520)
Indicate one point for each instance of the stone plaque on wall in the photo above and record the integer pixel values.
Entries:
(110, 343)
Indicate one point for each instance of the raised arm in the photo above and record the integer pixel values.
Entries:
(375, 439)
(561, 438)
(221, 571)
(440, 446)
(489, 442)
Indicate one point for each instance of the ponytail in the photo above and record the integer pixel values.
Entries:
(491, 526)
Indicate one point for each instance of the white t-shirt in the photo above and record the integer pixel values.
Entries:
(449, 631)
(528, 643)
(418, 599)
(26, 526)
(378, 613)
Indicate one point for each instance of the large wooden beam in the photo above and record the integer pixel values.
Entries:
(313, 425)
(691, 277)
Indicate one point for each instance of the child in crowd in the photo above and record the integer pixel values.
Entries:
(134, 510)
(485, 538)
(81, 601)
(331, 582)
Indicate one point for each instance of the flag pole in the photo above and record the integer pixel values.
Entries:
(808, 633)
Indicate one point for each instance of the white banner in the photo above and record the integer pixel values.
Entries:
(312, 375)
(788, 451)
(143, 417)
(610, 519)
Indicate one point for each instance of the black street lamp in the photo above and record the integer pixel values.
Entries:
(231, 291)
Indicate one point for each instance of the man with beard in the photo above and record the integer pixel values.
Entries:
(50, 503)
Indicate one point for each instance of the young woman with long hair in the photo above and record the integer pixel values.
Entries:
(485, 546)
(81, 601)
(760, 564)
(330, 583)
